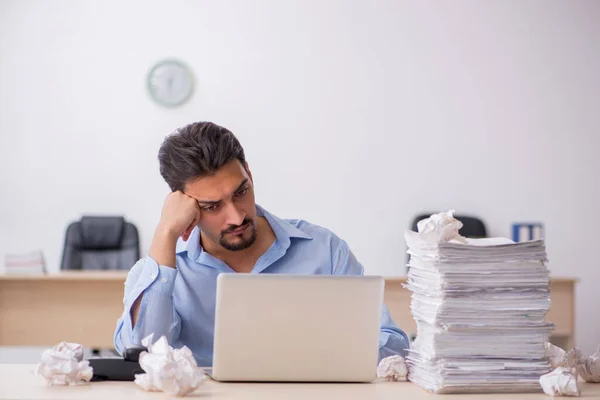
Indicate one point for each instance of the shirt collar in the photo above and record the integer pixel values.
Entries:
(283, 230)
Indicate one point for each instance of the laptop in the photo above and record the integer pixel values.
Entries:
(297, 328)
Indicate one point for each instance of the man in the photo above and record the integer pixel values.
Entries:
(212, 210)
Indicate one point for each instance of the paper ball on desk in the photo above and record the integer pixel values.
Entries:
(572, 358)
(554, 354)
(64, 365)
(589, 367)
(560, 382)
(440, 228)
(392, 368)
(173, 371)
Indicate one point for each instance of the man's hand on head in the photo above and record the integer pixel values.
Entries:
(180, 215)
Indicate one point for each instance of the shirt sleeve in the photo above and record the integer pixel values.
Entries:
(392, 340)
(157, 312)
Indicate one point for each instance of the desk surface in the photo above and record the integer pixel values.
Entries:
(18, 382)
(121, 275)
(70, 276)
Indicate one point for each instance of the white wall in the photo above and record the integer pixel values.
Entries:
(354, 115)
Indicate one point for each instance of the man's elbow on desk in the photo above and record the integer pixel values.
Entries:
(394, 343)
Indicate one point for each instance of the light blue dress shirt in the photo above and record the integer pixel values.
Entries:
(180, 303)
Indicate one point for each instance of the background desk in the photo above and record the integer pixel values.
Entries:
(83, 307)
(80, 307)
(19, 383)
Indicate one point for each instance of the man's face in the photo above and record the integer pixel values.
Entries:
(226, 201)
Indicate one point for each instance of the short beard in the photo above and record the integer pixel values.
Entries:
(244, 243)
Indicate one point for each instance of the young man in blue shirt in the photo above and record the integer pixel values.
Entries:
(210, 224)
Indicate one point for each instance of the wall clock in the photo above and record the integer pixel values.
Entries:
(170, 83)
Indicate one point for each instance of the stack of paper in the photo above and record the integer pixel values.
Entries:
(480, 307)
(25, 263)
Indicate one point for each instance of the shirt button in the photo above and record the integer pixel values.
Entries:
(153, 276)
(164, 280)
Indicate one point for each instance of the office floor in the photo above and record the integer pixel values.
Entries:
(32, 355)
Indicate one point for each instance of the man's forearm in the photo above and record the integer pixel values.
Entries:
(162, 251)
(148, 303)
(163, 247)
(397, 343)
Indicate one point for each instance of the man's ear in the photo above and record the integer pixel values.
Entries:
(248, 172)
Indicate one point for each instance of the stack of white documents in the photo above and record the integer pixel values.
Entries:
(480, 306)
(25, 263)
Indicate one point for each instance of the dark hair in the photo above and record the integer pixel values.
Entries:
(197, 150)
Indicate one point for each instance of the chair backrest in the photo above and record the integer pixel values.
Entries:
(472, 227)
(100, 243)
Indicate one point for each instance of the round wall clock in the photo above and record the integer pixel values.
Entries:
(170, 83)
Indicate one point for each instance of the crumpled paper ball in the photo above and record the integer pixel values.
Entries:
(173, 371)
(441, 228)
(392, 368)
(560, 382)
(64, 365)
(554, 354)
(589, 367)
(572, 358)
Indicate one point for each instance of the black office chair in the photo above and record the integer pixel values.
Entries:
(100, 243)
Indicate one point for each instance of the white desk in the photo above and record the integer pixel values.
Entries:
(17, 382)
